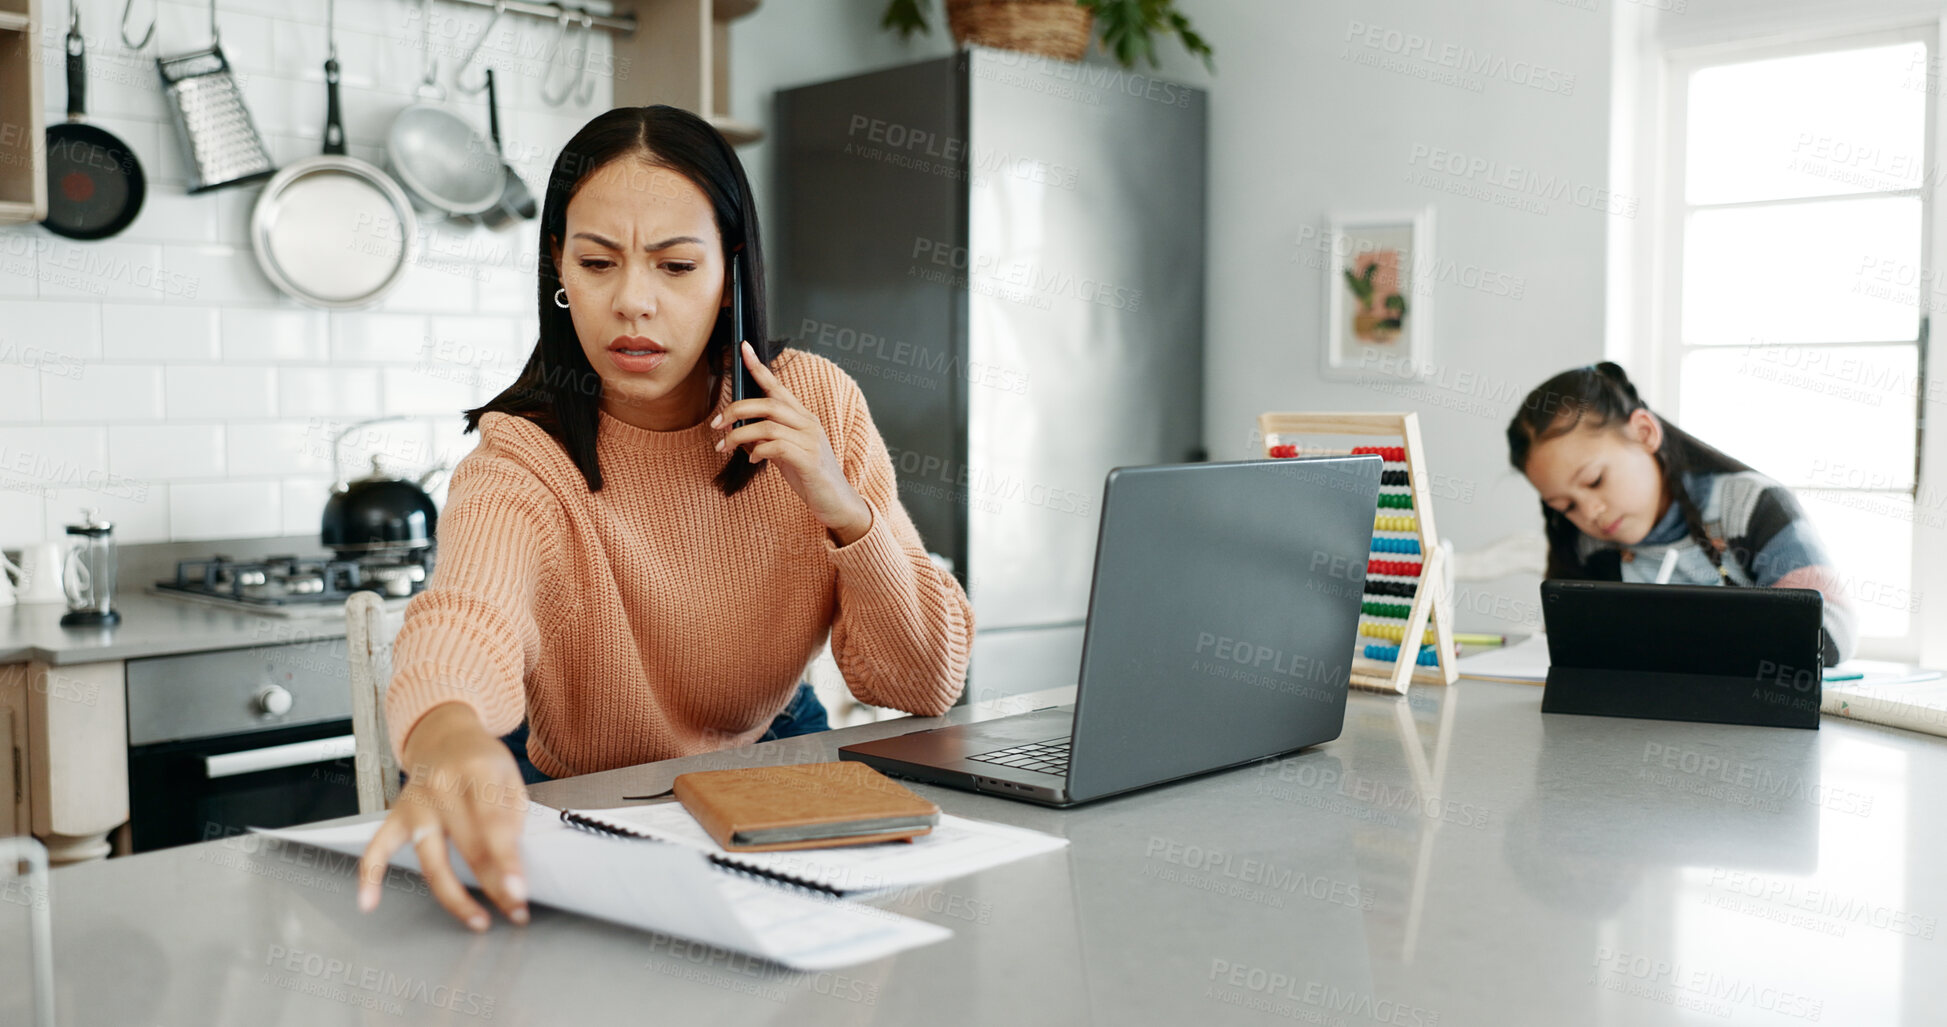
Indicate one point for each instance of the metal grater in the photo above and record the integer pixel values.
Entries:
(212, 122)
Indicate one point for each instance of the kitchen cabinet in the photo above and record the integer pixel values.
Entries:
(679, 54)
(69, 754)
(23, 161)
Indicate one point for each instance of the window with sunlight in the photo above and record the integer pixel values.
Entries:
(1801, 291)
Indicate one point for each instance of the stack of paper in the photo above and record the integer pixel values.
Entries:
(1888, 693)
(1525, 662)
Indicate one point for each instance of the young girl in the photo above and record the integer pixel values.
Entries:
(620, 563)
(1622, 489)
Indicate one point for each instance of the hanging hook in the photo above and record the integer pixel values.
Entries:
(587, 41)
(135, 44)
(459, 73)
(429, 87)
(567, 20)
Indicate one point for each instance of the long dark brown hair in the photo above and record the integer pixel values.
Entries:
(558, 389)
(1600, 395)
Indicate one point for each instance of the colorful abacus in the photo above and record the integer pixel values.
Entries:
(1395, 607)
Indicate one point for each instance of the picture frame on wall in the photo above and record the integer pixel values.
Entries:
(1377, 307)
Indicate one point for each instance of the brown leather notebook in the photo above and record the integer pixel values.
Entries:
(806, 806)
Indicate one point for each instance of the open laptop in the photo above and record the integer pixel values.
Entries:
(1221, 623)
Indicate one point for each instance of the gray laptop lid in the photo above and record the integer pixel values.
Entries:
(1222, 618)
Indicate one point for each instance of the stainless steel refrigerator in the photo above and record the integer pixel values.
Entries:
(1007, 253)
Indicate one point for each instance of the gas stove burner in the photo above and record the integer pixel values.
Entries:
(277, 581)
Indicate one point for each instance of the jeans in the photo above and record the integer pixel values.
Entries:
(802, 716)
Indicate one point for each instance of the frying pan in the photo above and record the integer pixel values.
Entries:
(515, 202)
(95, 185)
(434, 152)
(333, 231)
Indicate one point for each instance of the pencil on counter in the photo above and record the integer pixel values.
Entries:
(1462, 638)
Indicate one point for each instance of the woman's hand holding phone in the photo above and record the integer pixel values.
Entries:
(462, 785)
(791, 437)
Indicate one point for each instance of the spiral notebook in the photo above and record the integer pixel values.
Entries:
(956, 847)
(669, 889)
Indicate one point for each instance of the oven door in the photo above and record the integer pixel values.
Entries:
(194, 790)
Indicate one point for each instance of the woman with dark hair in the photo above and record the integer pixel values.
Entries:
(625, 571)
(1622, 490)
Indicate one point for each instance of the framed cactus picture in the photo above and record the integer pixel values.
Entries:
(1376, 300)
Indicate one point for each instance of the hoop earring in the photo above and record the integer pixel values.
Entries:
(561, 298)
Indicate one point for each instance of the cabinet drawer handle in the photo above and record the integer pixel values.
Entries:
(296, 754)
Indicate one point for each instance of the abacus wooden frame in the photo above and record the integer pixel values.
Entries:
(1430, 601)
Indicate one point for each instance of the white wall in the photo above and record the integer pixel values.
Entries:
(1301, 127)
(159, 376)
(1297, 130)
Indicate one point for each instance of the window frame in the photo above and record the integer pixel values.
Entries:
(1926, 637)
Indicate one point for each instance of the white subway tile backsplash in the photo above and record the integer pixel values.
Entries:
(377, 338)
(233, 209)
(270, 448)
(138, 509)
(19, 270)
(247, 43)
(199, 393)
(166, 452)
(54, 327)
(451, 441)
(508, 288)
(433, 283)
(251, 333)
(481, 352)
(53, 456)
(171, 215)
(103, 392)
(228, 509)
(23, 514)
(157, 332)
(218, 274)
(105, 270)
(163, 360)
(304, 502)
(427, 390)
(20, 392)
(328, 392)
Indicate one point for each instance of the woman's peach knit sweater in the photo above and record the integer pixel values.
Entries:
(658, 617)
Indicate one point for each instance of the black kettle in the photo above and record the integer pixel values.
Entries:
(378, 515)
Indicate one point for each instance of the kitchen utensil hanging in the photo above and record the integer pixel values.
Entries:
(216, 130)
(333, 231)
(95, 185)
(459, 73)
(515, 203)
(435, 154)
(128, 8)
(579, 18)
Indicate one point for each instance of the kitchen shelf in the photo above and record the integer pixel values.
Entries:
(23, 160)
(679, 54)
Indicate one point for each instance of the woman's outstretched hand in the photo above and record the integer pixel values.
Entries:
(790, 436)
(463, 786)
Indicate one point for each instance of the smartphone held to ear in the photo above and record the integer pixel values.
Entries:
(742, 384)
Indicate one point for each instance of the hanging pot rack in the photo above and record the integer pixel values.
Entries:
(624, 23)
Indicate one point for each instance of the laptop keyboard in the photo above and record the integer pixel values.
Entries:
(1049, 757)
